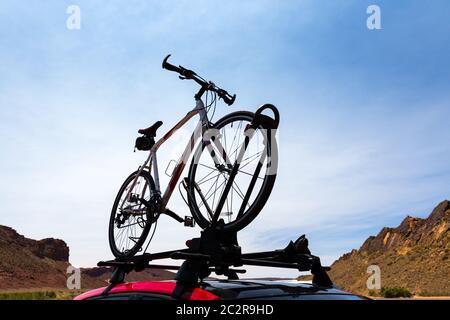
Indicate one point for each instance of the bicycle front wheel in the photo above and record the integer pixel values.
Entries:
(252, 184)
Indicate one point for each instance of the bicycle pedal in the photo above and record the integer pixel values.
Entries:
(189, 221)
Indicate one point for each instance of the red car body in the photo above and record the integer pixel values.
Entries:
(215, 289)
(161, 287)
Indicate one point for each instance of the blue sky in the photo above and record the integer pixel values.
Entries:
(364, 133)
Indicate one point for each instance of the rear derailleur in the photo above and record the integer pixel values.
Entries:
(149, 211)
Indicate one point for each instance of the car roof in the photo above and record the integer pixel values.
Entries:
(212, 289)
(255, 288)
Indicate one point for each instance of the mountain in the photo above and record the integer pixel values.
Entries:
(99, 276)
(415, 256)
(27, 263)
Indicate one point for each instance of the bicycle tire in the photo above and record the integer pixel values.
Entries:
(112, 243)
(263, 194)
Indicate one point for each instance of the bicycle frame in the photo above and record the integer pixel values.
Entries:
(152, 164)
(203, 124)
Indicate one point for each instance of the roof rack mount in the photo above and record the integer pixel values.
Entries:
(218, 251)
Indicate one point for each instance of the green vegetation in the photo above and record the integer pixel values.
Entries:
(426, 293)
(395, 293)
(32, 295)
(40, 295)
(374, 293)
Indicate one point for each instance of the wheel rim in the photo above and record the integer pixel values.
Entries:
(131, 220)
(211, 180)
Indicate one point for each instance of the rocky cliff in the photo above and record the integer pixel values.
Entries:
(27, 263)
(415, 255)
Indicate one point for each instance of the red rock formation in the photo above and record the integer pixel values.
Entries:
(27, 263)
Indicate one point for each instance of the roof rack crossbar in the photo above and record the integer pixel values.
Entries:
(217, 251)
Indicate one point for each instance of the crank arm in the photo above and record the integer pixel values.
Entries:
(135, 212)
(173, 215)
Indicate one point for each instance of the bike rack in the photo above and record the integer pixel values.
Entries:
(266, 121)
(218, 251)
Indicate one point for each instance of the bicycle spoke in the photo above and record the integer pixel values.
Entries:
(214, 169)
(249, 174)
(209, 190)
(235, 135)
(241, 167)
(237, 148)
(215, 192)
(204, 165)
(224, 185)
(212, 178)
(201, 180)
(234, 186)
(253, 156)
(240, 193)
(123, 238)
(118, 234)
(131, 230)
(134, 239)
(211, 195)
(240, 146)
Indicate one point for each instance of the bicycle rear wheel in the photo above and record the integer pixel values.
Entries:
(207, 179)
(130, 220)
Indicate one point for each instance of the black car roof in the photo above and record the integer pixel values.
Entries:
(250, 288)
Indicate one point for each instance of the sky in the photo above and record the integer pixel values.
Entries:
(364, 134)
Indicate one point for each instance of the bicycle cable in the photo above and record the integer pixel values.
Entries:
(151, 238)
(209, 105)
(181, 193)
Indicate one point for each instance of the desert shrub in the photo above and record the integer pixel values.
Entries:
(68, 294)
(426, 293)
(374, 293)
(395, 293)
(50, 294)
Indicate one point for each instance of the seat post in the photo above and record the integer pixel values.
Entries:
(155, 170)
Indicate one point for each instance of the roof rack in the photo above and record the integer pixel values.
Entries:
(218, 251)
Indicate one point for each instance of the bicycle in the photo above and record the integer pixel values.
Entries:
(219, 174)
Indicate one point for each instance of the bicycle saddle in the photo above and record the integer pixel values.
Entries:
(151, 131)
